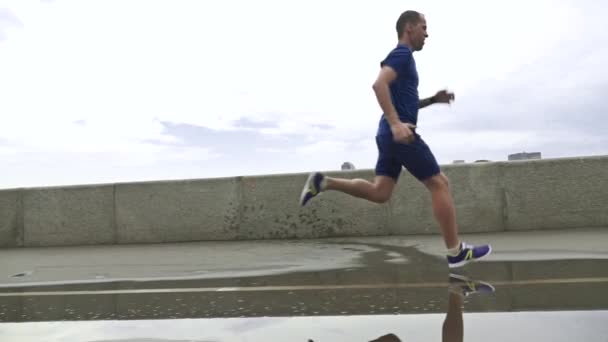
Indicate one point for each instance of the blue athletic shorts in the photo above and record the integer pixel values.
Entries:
(416, 157)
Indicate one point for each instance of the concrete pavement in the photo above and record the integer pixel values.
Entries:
(567, 270)
(238, 259)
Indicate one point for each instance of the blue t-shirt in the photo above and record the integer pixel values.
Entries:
(404, 89)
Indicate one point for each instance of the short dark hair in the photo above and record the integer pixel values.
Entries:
(407, 17)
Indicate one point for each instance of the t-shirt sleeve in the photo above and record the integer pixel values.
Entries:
(398, 60)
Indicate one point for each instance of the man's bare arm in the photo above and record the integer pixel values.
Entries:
(401, 131)
(383, 94)
(426, 102)
(442, 96)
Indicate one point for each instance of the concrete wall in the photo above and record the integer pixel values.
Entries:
(489, 197)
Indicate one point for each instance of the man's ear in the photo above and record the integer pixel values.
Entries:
(409, 27)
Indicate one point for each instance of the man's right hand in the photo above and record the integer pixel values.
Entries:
(402, 132)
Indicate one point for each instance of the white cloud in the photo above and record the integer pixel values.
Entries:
(323, 146)
(123, 68)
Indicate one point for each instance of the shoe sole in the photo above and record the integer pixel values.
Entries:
(464, 262)
(306, 187)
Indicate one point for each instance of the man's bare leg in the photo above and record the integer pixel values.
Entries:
(443, 209)
(378, 191)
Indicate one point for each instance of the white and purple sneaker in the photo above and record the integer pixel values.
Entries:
(312, 187)
(468, 253)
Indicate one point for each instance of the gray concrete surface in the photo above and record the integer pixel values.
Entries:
(11, 219)
(238, 259)
(178, 211)
(532, 271)
(545, 195)
(79, 215)
(490, 197)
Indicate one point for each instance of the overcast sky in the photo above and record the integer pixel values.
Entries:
(114, 91)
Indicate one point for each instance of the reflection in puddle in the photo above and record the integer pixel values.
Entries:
(536, 301)
(450, 325)
(497, 327)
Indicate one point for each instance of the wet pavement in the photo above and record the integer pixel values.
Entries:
(541, 286)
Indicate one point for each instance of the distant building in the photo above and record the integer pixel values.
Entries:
(348, 166)
(458, 161)
(525, 156)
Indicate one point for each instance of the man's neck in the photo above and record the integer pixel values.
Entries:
(405, 41)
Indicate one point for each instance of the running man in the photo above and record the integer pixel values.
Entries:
(399, 145)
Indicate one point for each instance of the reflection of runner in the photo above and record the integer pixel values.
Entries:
(387, 338)
(453, 327)
(400, 146)
(460, 287)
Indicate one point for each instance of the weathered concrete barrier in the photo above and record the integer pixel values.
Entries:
(489, 197)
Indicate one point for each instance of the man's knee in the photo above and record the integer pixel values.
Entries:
(380, 194)
(381, 197)
(383, 189)
(445, 180)
(438, 182)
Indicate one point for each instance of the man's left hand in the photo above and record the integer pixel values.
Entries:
(444, 96)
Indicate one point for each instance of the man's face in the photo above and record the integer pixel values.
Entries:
(418, 34)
